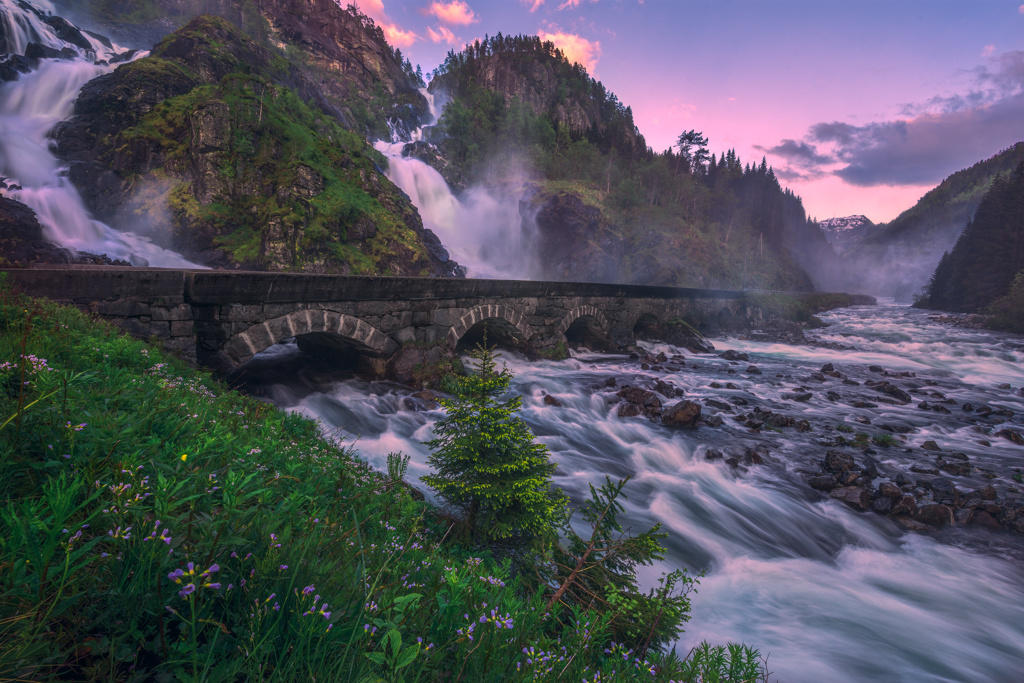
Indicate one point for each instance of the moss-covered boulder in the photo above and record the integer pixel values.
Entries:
(205, 147)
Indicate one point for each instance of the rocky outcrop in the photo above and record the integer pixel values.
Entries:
(204, 149)
(574, 241)
(22, 242)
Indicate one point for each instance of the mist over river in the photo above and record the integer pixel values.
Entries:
(826, 592)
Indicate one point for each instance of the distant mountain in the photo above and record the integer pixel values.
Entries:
(846, 232)
(897, 259)
(988, 255)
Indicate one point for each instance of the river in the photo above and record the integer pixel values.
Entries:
(825, 592)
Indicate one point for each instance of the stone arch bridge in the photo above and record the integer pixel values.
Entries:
(221, 319)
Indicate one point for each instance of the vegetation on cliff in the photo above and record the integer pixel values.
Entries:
(159, 525)
(608, 207)
(988, 258)
(203, 143)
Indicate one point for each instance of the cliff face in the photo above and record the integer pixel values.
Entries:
(203, 146)
(355, 74)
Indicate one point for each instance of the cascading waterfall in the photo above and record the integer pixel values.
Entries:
(29, 109)
(827, 593)
(484, 230)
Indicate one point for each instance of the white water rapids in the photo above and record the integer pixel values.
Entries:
(828, 594)
(29, 109)
(484, 230)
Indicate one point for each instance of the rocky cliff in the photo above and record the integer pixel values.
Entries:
(205, 147)
(363, 80)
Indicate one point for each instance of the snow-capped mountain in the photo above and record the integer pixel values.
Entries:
(843, 233)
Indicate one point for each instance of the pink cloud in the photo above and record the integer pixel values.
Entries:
(534, 4)
(454, 12)
(395, 34)
(570, 3)
(442, 35)
(988, 51)
(576, 48)
(1021, 9)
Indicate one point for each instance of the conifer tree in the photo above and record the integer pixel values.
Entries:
(488, 465)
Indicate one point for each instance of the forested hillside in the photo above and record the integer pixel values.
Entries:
(989, 254)
(899, 257)
(607, 206)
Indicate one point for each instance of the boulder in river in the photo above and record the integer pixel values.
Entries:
(682, 414)
(892, 391)
(854, 496)
(730, 354)
(935, 514)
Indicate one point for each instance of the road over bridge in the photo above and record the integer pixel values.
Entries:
(221, 319)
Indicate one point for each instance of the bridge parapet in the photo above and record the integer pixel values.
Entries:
(222, 318)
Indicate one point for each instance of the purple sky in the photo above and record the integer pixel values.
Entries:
(861, 106)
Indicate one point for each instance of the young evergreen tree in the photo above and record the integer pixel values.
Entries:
(488, 465)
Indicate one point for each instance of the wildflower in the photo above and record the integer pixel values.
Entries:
(184, 457)
(189, 589)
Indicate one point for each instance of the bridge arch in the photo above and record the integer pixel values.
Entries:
(585, 325)
(363, 336)
(648, 325)
(502, 312)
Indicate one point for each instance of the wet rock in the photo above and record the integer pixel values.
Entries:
(832, 396)
(739, 400)
(711, 455)
(641, 397)
(889, 490)
(550, 400)
(877, 368)
(801, 397)
(666, 389)
(903, 479)
(822, 482)
(714, 421)
(935, 514)
(983, 519)
(836, 461)
(421, 400)
(732, 355)
(854, 496)
(610, 382)
(629, 410)
(956, 464)
(863, 404)
(682, 414)
(730, 385)
(930, 445)
(897, 427)
(828, 367)
(715, 385)
(1012, 435)
(892, 391)
(753, 370)
(882, 505)
(934, 407)
(720, 405)
(850, 383)
(906, 505)
(803, 426)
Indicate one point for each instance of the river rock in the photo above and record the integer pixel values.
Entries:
(935, 514)
(892, 391)
(1012, 435)
(854, 496)
(822, 482)
(682, 414)
(906, 505)
(836, 461)
(753, 370)
(720, 405)
(730, 354)
(930, 445)
(956, 464)
(550, 400)
(629, 410)
(713, 420)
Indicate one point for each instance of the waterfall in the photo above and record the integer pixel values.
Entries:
(29, 109)
(485, 229)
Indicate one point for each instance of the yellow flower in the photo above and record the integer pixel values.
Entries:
(184, 457)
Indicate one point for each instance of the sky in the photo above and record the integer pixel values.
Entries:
(860, 106)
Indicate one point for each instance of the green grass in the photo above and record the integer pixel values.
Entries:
(157, 525)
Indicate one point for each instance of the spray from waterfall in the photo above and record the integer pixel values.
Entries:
(29, 109)
(485, 229)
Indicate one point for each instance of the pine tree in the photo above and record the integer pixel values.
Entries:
(488, 465)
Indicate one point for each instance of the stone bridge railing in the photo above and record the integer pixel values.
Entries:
(223, 318)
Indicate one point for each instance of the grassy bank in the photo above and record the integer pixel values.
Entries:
(158, 526)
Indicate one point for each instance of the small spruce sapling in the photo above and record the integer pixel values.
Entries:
(601, 571)
(487, 464)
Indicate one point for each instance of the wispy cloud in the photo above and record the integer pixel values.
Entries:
(455, 12)
(937, 137)
(534, 5)
(576, 48)
(442, 35)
